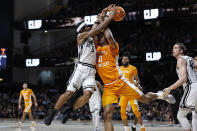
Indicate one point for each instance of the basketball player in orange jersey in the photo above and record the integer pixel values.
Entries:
(27, 93)
(84, 73)
(115, 84)
(130, 73)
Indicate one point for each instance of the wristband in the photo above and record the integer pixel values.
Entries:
(96, 22)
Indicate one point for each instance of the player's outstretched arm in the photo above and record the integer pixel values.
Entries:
(181, 64)
(99, 28)
(95, 37)
(110, 38)
(100, 18)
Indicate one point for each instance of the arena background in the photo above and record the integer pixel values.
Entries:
(38, 46)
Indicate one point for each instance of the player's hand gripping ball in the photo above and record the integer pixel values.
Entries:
(120, 14)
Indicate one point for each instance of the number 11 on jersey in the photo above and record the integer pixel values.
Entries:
(100, 59)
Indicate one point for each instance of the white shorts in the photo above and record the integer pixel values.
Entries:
(189, 98)
(82, 76)
(95, 101)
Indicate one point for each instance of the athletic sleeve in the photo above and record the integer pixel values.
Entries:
(114, 51)
(20, 93)
(30, 91)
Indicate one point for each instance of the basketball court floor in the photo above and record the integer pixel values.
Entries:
(10, 125)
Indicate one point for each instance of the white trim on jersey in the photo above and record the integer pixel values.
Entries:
(117, 66)
(111, 82)
(80, 27)
(132, 86)
(30, 104)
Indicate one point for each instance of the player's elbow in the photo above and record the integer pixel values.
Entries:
(98, 83)
(34, 98)
(184, 79)
(98, 30)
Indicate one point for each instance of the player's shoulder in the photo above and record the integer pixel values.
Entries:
(182, 59)
(117, 46)
(99, 46)
(29, 89)
(185, 57)
(132, 67)
(121, 66)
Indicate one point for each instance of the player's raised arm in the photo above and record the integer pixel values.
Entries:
(181, 64)
(99, 28)
(100, 18)
(96, 23)
(110, 38)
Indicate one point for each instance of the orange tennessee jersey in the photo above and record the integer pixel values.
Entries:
(26, 95)
(129, 72)
(107, 63)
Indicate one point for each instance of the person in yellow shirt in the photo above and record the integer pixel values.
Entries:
(26, 94)
(131, 74)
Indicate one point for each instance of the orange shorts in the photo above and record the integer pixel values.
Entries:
(121, 87)
(28, 106)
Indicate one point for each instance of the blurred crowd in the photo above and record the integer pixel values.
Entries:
(142, 37)
(138, 39)
(157, 110)
(93, 7)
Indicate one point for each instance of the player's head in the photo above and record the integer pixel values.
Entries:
(125, 60)
(178, 49)
(81, 27)
(25, 85)
(102, 39)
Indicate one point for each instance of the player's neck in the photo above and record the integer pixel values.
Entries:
(104, 44)
(179, 56)
(125, 65)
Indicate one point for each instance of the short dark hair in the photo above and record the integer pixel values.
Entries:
(125, 54)
(25, 83)
(182, 46)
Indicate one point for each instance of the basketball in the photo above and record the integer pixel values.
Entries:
(120, 14)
